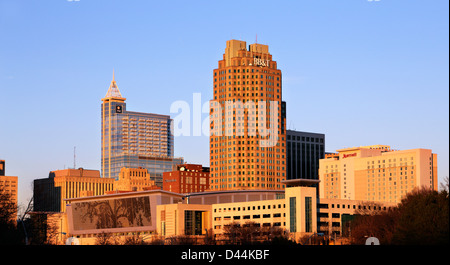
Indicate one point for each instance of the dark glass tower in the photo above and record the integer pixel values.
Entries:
(304, 149)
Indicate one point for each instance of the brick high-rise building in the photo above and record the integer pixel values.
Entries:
(248, 137)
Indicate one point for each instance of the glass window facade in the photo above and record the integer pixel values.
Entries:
(135, 139)
(193, 222)
(308, 214)
(303, 153)
(293, 214)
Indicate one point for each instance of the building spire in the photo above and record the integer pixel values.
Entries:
(113, 91)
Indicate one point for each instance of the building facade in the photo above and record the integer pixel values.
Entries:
(334, 215)
(134, 139)
(133, 179)
(248, 137)
(296, 212)
(9, 187)
(303, 152)
(187, 178)
(49, 193)
(2, 167)
(9, 196)
(160, 214)
(376, 173)
(120, 214)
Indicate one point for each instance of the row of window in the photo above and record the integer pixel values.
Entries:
(304, 139)
(245, 71)
(251, 208)
(246, 217)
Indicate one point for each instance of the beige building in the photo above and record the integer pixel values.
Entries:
(163, 214)
(333, 214)
(376, 173)
(133, 179)
(120, 214)
(183, 219)
(296, 212)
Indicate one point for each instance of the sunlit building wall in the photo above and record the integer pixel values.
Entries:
(49, 193)
(376, 173)
(248, 137)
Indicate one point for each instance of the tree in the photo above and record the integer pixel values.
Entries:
(444, 186)
(252, 232)
(232, 232)
(24, 217)
(8, 228)
(421, 218)
(134, 239)
(380, 225)
(105, 239)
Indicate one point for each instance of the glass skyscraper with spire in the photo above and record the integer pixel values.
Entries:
(134, 139)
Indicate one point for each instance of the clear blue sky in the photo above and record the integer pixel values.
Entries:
(361, 72)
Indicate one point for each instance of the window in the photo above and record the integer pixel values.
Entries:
(308, 214)
(293, 214)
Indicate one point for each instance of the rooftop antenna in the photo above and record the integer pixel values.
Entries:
(74, 157)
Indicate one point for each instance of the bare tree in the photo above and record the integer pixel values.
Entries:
(182, 240)
(444, 185)
(134, 239)
(53, 229)
(105, 238)
(232, 232)
(8, 212)
(23, 215)
(250, 232)
(8, 208)
(210, 238)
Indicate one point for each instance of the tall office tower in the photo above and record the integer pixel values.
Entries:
(304, 150)
(134, 139)
(376, 173)
(248, 138)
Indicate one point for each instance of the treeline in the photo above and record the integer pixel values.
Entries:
(421, 218)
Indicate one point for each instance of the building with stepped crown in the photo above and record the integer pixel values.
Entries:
(134, 139)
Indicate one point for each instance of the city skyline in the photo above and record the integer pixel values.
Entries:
(378, 72)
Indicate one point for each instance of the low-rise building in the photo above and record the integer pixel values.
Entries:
(187, 178)
(49, 193)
